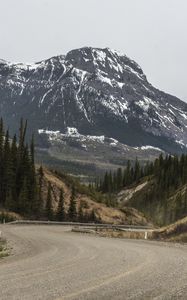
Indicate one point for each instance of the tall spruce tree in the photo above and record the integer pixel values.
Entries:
(18, 186)
(81, 212)
(60, 215)
(49, 210)
(72, 211)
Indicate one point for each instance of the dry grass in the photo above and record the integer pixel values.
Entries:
(122, 234)
(175, 232)
(104, 213)
(9, 216)
(112, 233)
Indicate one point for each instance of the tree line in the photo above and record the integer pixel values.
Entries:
(167, 174)
(170, 173)
(18, 187)
(113, 182)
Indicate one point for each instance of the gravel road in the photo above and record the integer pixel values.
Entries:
(50, 262)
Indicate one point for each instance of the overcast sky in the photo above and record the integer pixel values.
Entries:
(152, 32)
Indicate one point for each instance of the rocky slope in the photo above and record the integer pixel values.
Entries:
(98, 92)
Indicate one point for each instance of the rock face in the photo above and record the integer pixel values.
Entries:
(97, 92)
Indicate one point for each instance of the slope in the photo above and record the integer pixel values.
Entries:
(162, 210)
(176, 232)
(103, 213)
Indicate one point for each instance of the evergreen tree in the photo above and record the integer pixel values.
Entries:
(49, 210)
(18, 185)
(72, 211)
(93, 217)
(81, 217)
(60, 210)
(6, 170)
(23, 202)
(37, 205)
(137, 171)
(127, 174)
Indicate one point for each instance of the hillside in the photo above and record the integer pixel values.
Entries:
(103, 213)
(161, 211)
(158, 189)
(88, 200)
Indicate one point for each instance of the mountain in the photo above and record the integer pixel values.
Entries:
(94, 93)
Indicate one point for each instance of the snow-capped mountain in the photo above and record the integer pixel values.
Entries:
(99, 92)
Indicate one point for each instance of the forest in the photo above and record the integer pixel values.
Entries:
(21, 184)
(165, 195)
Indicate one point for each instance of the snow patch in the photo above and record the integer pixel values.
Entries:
(104, 79)
(150, 148)
(100, 56)
(72, 131)
(181, 142)
(40, 131)
(146, 102)
(44, 96)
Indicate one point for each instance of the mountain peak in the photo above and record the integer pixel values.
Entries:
(99, 92)
(105, 59)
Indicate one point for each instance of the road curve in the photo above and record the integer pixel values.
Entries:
(49, 262)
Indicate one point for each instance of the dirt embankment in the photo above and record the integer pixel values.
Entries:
(176, 232)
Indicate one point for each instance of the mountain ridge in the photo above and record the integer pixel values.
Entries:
(98, 92)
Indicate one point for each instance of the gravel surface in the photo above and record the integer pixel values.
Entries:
(50, 262)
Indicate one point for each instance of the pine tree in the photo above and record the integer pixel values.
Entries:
(119, 178)
(33, 193)
(49, 210)
(18, 186)
(23, 202)
(136, 170)
(60, 210)
(72, 211)
(6, 168)
(127, 174)
(14, 170)
(93, 217)
(81, 213)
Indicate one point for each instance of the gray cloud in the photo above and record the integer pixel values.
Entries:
(152, 32)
